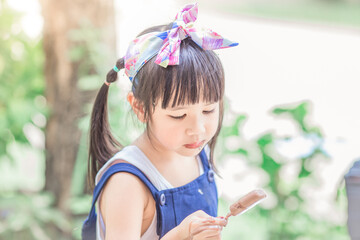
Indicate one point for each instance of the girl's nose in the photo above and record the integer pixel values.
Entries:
(196, 126)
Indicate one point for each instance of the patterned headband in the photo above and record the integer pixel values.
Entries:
(167, 44)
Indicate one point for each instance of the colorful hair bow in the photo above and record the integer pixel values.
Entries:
(167, 44)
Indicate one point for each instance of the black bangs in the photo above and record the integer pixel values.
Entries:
(199, 76)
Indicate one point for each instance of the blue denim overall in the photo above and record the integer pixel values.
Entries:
(172, 205)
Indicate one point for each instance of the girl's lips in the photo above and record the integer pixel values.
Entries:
(194, 145)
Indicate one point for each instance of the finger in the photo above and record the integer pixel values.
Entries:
(198, 225)
(217, 237)
(196, 222)
(208, 229)
(214, 221)
(220, 221)
(210, 232)
(226, 220)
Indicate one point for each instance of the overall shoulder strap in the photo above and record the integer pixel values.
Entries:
(204, 160)
(119, 167)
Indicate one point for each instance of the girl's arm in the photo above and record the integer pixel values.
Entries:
(122, 205)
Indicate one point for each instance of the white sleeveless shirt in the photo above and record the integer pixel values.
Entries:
(133, 155)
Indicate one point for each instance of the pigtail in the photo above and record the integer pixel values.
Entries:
(103, 144)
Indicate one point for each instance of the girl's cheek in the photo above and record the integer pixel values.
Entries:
(213, 125)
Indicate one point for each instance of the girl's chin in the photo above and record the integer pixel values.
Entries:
(189, 152)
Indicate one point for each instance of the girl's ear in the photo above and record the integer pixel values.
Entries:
(137, 107)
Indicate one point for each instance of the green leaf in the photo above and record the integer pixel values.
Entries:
(297, 113)
(265, 140)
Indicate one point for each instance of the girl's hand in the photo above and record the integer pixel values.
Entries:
(200, 225)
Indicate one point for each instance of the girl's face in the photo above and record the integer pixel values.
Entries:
(184, 129)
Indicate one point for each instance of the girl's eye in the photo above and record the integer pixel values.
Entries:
(178, 117)
(183, 116)
(208, 112)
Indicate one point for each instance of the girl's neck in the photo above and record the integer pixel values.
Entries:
(176, 169)
(155, 153)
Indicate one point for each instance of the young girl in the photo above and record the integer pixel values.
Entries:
(162, 185)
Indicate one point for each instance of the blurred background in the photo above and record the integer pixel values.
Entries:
(291, 124)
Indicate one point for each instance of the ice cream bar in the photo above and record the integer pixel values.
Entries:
(246, 202)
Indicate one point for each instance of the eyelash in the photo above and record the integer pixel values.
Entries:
(183, 116)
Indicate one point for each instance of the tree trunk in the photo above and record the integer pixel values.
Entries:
(65, 100)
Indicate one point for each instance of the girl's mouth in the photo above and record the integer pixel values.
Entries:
(194, 145)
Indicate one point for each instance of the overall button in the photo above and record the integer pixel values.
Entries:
(162, 199)
(211, 175)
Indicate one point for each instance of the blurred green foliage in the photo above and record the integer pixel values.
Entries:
(29, 216)
(289, 217)
(25, 211)
(22, 81)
